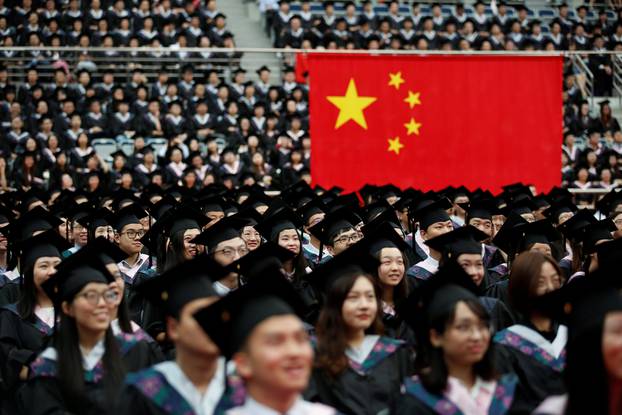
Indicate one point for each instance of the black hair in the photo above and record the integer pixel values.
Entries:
(175, 250)
(70, 371)
(27, 295)
(584, 360)
(430, 359)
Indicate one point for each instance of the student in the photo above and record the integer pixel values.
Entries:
(312, 213)
(25, 325)
(194, 382)
(337, 232)
(593, 374)
(257, 326)
(433, 221)
(357, 369)
(534, 348)
(83, 368)
(223, 242)
(455, 354)
(388, 248)
(128, 233)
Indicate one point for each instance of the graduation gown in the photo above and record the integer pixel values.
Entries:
(536, 361)
(20, 342)
(417, 400)
(9, 289)
(149, 392)
(367, 388)
(42, 394)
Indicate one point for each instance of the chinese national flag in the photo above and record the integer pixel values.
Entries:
(432, 121)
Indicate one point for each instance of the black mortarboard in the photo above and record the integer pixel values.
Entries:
(119, 153)
(573, 228)
(73, 274)
(31, 222)
(46, 244)
(97, 218)
(223, 230)
(480, 209)
(557, 208)
(464, 240)
(388, 216)
(130, 214)
(333, 224)
(384, 236)
(431, 212)
(212, 204)
(184, 283)
(609, 202)
(231, 320)
(595, 233)
(162, 206)
(272, 225)
(541, 231)
(309, 209)
(267, 256)
(504, 238)
(33, 195)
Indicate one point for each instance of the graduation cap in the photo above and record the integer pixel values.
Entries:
(46, 244)
(480, 209)
(595, 233)
(6, 215)
(609, 254)
(384, 236)
(429, 212)
(572, 229)
(186, 282)
(118, 153)
(375, 209)
(541, 231)
(388, 216)
(96, 218)
(212, 204)
(504, 238)
(159, 208)
(267, 256)
(73, 274)
(311, 208)
(334, 223)
(464, 240)
(558, 208)
(31, 222)
(223, 230)
(230, 321)
(130, 214)
(31, 197)
(609, 202)
(262, 69)
(522, 204)
(271, 226)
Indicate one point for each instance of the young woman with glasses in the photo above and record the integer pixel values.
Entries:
(84, 367)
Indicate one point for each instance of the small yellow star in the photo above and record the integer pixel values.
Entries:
(413, 99)
(351, 106)
(413, 127)
(396, 80)
(395, 145)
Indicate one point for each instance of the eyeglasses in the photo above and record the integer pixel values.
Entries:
(355, 237)
(92, 297)
(230, 252)
(132, 234)
(472, 328)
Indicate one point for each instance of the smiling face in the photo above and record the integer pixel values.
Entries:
(465, 340)
(360, 306)
(90, 317)
(473, 265)
(43, 268)
(290, 240)
(190, 249)
(392, 268)
(277, 356)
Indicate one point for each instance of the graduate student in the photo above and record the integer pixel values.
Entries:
(534, 348)
(357, 369)
(433, 221)
(26, 324)
(592, 308)
(83, 368)
(258, 327)
(194, 382)
(455, 355)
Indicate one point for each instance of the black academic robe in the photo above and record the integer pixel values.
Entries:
(9, 292)
(539, 370)
(149, 393)
(20, 342)
(368, 388)
(417, 400)
(42, 394)
(395, 327)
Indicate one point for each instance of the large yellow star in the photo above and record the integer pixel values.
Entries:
(395, 145)
(396, 80)
(351, 106)
(412, 126)
(413, 99)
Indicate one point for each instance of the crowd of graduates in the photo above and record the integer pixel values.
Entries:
(314, 301)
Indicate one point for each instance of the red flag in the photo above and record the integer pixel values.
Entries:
(434, 121)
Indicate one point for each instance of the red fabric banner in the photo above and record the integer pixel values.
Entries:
(434, 121)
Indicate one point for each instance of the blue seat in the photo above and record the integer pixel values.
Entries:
(104, 147)
(530, 13)
(381, 8)
(546, 14)
(295, 8)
